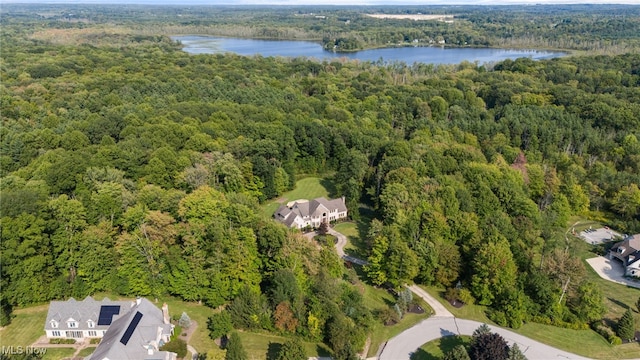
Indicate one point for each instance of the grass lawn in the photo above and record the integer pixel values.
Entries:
(263, 346)
(378, 299)
(86, 352)
(471, 312)
(58, 353)
(306, 188)
(582, 342)
(200, 339)
(26, 326)
(436, 349)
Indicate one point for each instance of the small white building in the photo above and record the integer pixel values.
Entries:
(304, 213)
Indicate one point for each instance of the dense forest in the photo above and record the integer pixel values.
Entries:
(135, 168)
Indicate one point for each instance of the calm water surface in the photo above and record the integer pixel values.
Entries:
(194, 44)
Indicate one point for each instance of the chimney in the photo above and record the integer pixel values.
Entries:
(138, 300)
(165, 313)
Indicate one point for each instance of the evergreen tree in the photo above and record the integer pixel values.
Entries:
(515, 353)
(235, 350)
(638, 304)
(626, 326)
(481, 330)
(185, 321)
(489, 347)
(457, 353)
(292, 350)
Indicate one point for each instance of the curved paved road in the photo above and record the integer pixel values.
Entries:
(443, 323)
(402, 346)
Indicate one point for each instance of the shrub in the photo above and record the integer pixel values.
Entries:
(498, 317)
(177, 346)
(62, 341)
(451, 294)
(176, 332)
(615, 340)
(465, 296)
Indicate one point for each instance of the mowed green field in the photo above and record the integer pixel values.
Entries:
(306, 188)
(266, 346)
(26, 326)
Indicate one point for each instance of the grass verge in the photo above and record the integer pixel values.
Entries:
(379, 299)
(86, 352)
(436, 349)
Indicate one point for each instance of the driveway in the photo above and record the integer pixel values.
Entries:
(340, 244)
(611, 270)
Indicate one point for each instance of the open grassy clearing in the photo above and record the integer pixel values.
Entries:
(266, 346)
(306, 188)
(26, 326)
(436, 349)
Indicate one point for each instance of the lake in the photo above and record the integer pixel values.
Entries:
(195, 44)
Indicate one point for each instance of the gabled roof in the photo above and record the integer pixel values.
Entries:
(130, 337)
(81, 312)
(631, 244)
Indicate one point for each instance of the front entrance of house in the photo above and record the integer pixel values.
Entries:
(74, 334)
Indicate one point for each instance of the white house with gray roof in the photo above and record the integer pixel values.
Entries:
(304, 213)
(628, 252)
(89, 318)
(137, 335)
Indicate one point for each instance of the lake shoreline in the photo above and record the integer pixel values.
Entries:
(407, 53)
(567, 52)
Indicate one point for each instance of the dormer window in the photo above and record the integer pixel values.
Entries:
(91, 324)
(54, 324)
(72, 324)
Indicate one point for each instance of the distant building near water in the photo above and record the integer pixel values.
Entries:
(310, 214)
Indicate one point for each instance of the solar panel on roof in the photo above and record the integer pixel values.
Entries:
(106, 314)
(131, 328)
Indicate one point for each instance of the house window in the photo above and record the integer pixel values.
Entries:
(54, 324)
(72, 324)
(55, 333)
(92, 333)
(91, 324)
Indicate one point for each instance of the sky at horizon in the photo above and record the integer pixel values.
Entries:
(328, 2)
